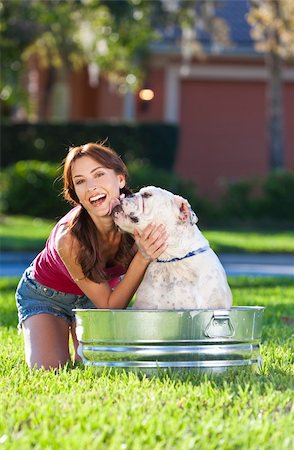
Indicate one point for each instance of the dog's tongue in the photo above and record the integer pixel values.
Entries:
(113, 203)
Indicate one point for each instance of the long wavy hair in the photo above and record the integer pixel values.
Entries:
(82, 226)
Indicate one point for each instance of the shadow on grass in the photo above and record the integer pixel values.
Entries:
(242, 379)
(19, 244)
(9, 319)
(8, 316)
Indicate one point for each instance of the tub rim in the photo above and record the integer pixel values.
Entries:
(133, 310)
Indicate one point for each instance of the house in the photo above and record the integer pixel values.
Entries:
(219, 104)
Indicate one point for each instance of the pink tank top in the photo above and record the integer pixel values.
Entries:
(49, 269)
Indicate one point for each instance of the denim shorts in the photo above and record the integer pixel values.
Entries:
(34, 298)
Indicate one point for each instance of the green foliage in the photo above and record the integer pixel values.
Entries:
(153, 142)
(32, 188)
(80, 408)
(279, 195)
(270, 198)
(142, 174)
(16, 34)
(237, 201)
(41, 183)
(113, 35)
(272, 26)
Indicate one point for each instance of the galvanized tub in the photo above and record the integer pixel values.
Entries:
(144, 340)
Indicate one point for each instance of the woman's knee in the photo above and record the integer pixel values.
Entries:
(46, 341)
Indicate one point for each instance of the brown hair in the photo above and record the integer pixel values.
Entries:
(82, 226)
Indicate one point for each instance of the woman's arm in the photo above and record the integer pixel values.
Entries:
(151, 243)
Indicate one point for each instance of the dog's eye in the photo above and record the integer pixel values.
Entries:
(146, 194)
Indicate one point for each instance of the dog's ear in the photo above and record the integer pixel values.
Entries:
(185, 212)
(193, 217)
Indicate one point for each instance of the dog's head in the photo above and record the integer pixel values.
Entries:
(153, 205)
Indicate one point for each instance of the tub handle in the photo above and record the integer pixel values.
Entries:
(219, 326)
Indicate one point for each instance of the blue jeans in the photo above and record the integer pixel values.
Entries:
(34, 298)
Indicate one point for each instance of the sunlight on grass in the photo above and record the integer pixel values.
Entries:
(80, 408)
(26, 233)
(250, 241)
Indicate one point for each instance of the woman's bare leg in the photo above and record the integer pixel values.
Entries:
(75, 342)
(46, 341)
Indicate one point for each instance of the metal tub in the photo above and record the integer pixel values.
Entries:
(144, 340)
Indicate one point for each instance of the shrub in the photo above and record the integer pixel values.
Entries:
(271, 198)
(144, 174)
(32, 188)
(237, 199)
(279, 195)
(244, 199)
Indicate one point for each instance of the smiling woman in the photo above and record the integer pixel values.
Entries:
(96, 186)
(87, 262)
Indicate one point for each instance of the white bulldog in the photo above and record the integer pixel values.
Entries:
(188, 275)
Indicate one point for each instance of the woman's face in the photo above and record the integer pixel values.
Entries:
(96, 186)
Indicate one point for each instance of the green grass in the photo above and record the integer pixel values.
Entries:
(227, 241)
(24, 233)
(79, 408)
(29, 234)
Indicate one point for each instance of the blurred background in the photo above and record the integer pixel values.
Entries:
(196, 95)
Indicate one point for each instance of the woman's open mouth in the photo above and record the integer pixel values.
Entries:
(97, 200)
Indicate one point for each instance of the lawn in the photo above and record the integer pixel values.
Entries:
(79, 408)
(29, 234)
(24, 233)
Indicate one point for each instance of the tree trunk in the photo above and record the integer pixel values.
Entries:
(275, 112)
(46, 95)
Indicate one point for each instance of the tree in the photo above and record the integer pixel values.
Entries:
(197, 20)
(107, 36)
(111, 37)
(272, 23)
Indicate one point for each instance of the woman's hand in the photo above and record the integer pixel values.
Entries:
(151, 242)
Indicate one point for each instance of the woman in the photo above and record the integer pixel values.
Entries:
(84, 258)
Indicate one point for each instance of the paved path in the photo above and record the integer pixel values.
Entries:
(259, 264)
(13, 264)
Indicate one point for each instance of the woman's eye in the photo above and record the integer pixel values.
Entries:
(99, 174)
(79, 181)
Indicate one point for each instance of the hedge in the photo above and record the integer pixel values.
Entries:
(34, 188)
(269, 198)
(154, 142)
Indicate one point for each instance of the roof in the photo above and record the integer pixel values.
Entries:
(234, 13)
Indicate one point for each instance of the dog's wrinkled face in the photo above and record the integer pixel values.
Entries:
(152, 205)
